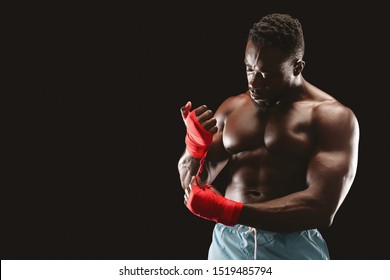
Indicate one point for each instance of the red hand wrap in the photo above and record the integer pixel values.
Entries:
(198, 139)
(206, 204)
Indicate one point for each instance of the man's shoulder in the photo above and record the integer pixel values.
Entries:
(324, 104)
(332, 113)
(241, 97)
(330, 107)
(235, 101)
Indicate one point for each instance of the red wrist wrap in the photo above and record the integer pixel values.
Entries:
(198, 139)
(206, 204)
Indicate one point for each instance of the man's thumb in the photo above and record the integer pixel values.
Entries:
(185, 110)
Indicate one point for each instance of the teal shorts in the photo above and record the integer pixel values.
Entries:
(246, 243)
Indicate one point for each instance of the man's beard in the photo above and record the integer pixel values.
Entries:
(265, 105)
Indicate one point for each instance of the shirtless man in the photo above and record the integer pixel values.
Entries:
(291, 150)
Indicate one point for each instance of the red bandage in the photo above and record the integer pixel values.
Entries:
(198, 139)
(206, 204)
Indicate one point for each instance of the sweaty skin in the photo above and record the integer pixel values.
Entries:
(292, 148)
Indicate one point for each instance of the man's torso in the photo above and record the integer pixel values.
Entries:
(269, 150)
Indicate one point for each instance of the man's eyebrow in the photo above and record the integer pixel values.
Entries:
(264, 70)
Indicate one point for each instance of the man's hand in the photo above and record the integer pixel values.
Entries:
(194, 182)
(207, 203)
(201, 125)
(204, 116)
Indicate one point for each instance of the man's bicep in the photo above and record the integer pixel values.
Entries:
(332, 168)
(329, 178)
(337, 136)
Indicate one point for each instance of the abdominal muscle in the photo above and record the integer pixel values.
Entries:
(264, 181)
(252, 194)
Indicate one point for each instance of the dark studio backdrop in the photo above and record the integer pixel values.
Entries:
(96, 131)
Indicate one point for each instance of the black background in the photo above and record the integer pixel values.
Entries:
(96, 132)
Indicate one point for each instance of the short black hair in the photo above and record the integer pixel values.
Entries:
(281, 31)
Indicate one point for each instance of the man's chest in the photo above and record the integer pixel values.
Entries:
(286, 131)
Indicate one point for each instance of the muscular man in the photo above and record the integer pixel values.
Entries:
(291, 151)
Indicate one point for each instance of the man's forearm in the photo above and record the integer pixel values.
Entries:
(294, 212)
(188, 166)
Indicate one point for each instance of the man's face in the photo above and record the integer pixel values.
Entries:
(269, 73)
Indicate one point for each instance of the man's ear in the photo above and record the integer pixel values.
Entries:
(298, 67)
